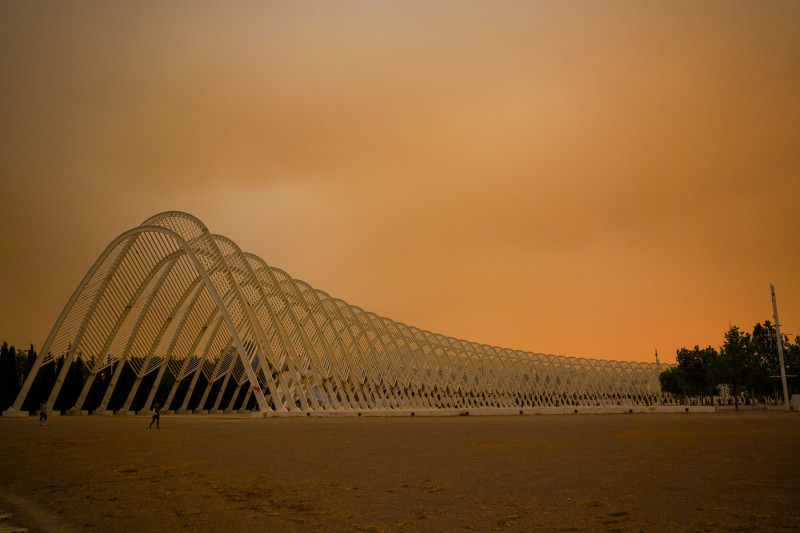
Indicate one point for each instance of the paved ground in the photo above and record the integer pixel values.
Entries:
(681, 472)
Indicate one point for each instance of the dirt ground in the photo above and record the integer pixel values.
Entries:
(665, 472)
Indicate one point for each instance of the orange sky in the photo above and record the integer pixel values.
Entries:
(597, 179)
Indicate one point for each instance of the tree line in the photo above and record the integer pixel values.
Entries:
(16, 364)
(745, 368)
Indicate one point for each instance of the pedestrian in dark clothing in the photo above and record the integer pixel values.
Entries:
(43, 414)
(156, 416)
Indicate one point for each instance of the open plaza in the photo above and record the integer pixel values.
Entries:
(723, 471)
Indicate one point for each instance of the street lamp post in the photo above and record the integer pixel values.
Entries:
(780, 347)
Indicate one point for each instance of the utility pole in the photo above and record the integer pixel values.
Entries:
(780, 348)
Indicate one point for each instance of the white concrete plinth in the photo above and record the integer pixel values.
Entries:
(15, 413)
(503, 411)
(488, 411)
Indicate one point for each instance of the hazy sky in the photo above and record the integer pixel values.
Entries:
(596, 179)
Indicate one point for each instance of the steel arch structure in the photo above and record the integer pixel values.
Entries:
(169, 296)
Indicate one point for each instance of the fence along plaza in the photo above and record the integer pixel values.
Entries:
(170, 297)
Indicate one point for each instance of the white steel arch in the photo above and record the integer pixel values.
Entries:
(170, 298)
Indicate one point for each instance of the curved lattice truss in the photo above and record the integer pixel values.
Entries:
(170, 297)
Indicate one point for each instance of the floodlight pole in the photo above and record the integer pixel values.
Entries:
(780, 347)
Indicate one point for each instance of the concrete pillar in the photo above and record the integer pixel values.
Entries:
(62, 375)
(185, 404)
(152, 394)
(132, 394)
(76, 409)
(215, 408)
(102, 409)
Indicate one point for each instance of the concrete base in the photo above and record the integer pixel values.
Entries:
(77, 412)
(264, 414)
(500, 411)
(14, 413)
(794, 402)
(126, 412)
(567, 410)
(167, 412)
(743, 407)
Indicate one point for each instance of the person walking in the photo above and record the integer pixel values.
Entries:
(156, 416)
(43, 414)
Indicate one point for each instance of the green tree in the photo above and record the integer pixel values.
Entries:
(674, 382)
(700, 370)
(36, 395)
(737, 361)
(765, 347)
(23, 357)
(791, 357)
(9, 384)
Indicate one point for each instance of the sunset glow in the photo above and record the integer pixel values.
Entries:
(577, 178)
